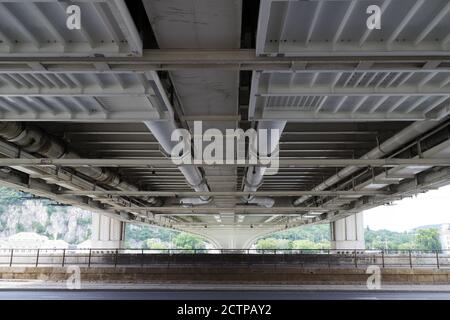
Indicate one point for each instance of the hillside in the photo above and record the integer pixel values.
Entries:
(20, 212)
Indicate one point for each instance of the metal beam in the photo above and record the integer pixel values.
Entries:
(278, 113)
(241, 214)
(226, 193)
(174, 210)
(282, 91)
(239, 59)
(441, 162)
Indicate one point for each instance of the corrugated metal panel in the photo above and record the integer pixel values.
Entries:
(81, 97)
(38, 27)
(357, 95)
(330, 27)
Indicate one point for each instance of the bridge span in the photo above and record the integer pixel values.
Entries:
(358, 117)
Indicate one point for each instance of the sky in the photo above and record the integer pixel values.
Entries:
(432, 207)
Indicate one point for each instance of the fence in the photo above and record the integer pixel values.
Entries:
(324, 258)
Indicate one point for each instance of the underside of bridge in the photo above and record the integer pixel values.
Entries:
(87, 114)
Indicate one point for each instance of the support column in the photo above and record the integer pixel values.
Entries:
(348, 233)
(107, 233)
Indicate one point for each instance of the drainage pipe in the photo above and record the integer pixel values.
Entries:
(404, 136)
(34, 140)
(162, 131)
(254, 176)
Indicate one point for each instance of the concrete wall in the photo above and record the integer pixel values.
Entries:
(260, 275)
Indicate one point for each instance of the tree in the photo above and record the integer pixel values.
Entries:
(385, 239)
(20, 227)
(407, 246)
(38, 227)
(272, 244)
(428, 239)
(314, 233)
(156, 244)
(188, 241)
(307, 244)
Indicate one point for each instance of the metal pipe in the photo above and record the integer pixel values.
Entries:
(254, 176)
(35, 140)
(390, 145)
(162, 131)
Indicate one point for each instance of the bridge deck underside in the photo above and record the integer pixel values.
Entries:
(344, 91)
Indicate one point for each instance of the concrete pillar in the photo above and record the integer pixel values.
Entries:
(348, 233)
(107, 233)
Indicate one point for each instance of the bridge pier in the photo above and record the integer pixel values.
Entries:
(348, 233)
(107, 233)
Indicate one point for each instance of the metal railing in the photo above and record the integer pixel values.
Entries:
(325, 258)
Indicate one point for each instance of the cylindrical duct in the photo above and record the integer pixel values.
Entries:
(33, 139)
(390, 145)
(255, 174)
(162, 131)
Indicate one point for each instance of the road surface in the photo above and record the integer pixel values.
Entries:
(27, 294)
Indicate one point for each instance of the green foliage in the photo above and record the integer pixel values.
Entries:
(272, 243)
(151, 237)
(423, 239)
(3, 225)
(407, 246)
(188, 241)
(155, 244)
(313, 233)
(56, 220)
(84, 221)
(307, 244)
(142, 233)
(38, 227)
(11, 197)
(20, 227)
(428, 239)
(385, 239)
(309, 237)
(317, 237)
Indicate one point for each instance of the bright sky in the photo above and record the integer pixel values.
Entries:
(432, 207)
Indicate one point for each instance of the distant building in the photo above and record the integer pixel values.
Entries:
(445, 237)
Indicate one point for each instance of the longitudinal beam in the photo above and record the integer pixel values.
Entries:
(225, 193)
(441, 162)
(281, 91)
(240, 59)
(238, 209)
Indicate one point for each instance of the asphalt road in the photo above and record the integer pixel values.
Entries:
(218, 295)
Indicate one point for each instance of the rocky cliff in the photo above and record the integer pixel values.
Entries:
(20, 212)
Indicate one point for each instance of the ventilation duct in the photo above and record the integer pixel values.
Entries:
(389, 146)
(35, 140)
(255, 174)
(162, 131)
